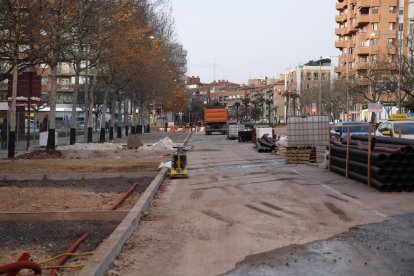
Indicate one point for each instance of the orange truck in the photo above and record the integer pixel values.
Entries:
(215, 120)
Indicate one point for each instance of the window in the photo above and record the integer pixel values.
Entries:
(374, 42)
(375, 10)
(391, 41)
(308, 77)
(363, 59)
(391, 26)
(64, 67)
(363, 29)
(411, 26)
(401, 12)
(363, 73)
(374, 26)
(391, 10)
(374, 58)
(390, 58)
(315, 76)
(364, 11)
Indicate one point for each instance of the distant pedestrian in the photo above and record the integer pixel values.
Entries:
(4, 132)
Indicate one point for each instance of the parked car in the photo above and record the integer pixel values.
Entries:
(354, 127)
(397, 129)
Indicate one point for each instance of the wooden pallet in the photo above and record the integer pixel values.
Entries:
(300, 156)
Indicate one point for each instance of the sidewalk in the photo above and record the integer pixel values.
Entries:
(152, 137)
(21, 146)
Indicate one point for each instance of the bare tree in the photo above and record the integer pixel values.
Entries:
(18, 49)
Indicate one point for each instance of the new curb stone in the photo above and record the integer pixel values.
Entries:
(110, 248)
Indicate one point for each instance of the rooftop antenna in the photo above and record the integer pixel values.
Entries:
(214, 69)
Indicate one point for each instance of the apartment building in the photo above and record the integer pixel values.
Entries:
(369, 30)
(179, 55)
(307, 88)
(196, 91)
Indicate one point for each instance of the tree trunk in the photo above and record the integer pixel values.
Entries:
(126, 118)
(119, 119)
(74, 105)
(134, 117)
(112, 122)
(90, 109)
(12, 117)
(103, 120)
(51, 143)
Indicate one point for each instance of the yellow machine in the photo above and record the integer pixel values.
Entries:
(179, 163)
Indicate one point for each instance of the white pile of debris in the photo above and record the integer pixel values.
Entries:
(91, 146)
(163, 144)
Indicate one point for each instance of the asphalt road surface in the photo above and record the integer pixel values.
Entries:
(241, 212)
(385, 248)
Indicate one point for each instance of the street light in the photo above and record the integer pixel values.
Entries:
(320, 86)
(346, 84)
(399, 66)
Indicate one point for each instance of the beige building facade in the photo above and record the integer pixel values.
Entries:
(307, 88)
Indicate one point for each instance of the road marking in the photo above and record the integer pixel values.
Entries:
(351, 199)
(355, 201)
(295, 171)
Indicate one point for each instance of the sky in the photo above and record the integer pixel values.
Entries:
(236, 40)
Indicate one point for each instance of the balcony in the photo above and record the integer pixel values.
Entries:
(374, 50)
(362, 19)
(342, 59)
(340, 69)
(340, 18)
(340, 31)
(341, 44)
(362, 66)
(364, 4)
(352, 30)
(341, 6)
(361, 37)
(363, 51)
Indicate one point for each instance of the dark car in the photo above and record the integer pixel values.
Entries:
(354, 127)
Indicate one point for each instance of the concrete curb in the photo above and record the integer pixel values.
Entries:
(109, 249)
(76, 176)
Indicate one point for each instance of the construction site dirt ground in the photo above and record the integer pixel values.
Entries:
(73, 179)
(239, 208)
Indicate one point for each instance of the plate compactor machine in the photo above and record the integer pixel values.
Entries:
(179, 163)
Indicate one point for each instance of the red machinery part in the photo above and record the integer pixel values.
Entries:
(71, 249)
(121, 199)
(13, 268)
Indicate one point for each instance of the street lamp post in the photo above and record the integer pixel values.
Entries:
(399, 68)
(346, 84)
(320, 86)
